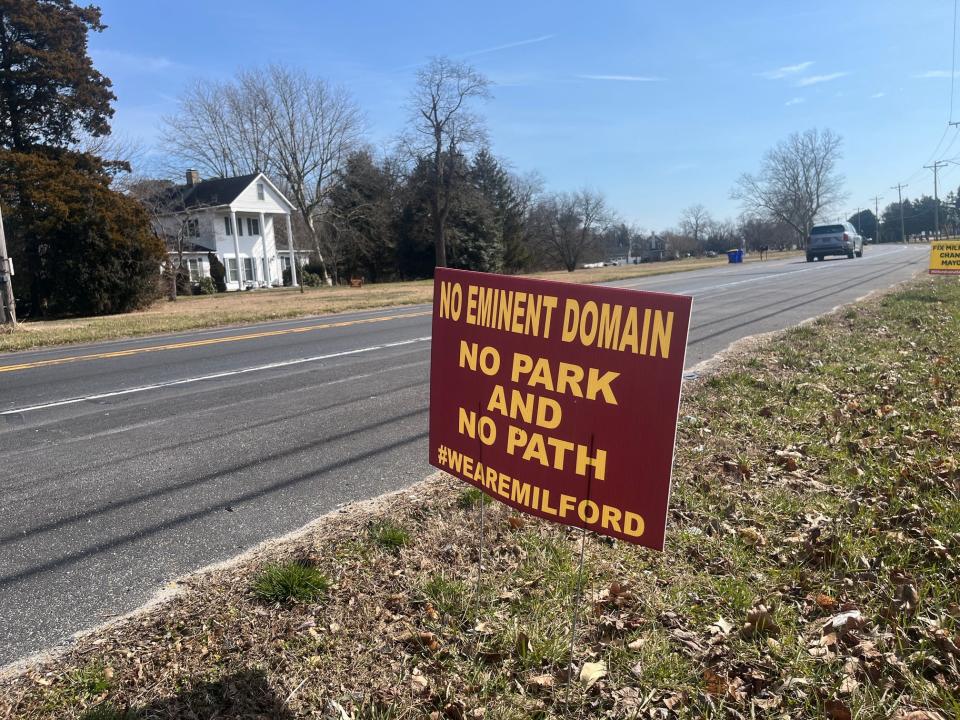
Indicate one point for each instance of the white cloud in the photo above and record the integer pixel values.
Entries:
(934, 74)
(816, 79)
(622, 78)
(786, 71)
(794, 101)
(877, 96)
(507, 46)
(136, 63)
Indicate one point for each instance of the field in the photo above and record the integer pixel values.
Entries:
(811, 571)
(207, 311)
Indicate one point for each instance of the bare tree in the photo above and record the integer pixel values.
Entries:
(210, 131)
(695, 222)
(312, 128)
(442, 126)
(798, 181)
(568, 225)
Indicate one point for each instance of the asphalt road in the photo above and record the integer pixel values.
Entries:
(125, 464)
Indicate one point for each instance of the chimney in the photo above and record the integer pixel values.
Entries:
(193, 177)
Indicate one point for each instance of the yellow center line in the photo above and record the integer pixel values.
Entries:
(208, 341)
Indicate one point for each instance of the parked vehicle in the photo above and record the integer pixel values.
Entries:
(835, 239)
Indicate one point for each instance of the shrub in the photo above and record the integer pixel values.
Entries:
(206, 286)
(218, 273)
(310, 279)
(294, 581)
(314, 267)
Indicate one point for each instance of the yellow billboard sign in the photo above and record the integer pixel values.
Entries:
(945, 257)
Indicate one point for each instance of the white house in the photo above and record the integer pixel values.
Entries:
(234, 218)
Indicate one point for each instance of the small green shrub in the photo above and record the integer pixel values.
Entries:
(294, 581)
(310, 279)
(389, 535)
(206, 286)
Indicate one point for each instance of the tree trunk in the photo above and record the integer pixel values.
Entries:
(311, 223)
(439, 244)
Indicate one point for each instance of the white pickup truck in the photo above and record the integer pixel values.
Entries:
(836, 239)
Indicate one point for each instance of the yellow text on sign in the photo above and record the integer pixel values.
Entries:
(945, 257)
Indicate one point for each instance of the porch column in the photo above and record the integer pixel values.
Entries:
(293, 255)
(263, 241)
(236, 249)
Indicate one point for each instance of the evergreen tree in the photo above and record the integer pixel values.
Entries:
(88, 250)
(50, 92)
(218, 273)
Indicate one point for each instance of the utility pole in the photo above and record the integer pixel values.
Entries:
(858, 221)
(899, 188)
(8, 307)
(936, 198)
(876, 216)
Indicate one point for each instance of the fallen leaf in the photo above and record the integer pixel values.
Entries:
(826, 602)
(515, 522)
(837, 710)
(720, 627)
(542, 681)
(591, 672)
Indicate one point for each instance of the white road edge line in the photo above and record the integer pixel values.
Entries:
(696, 291)
(214, 376)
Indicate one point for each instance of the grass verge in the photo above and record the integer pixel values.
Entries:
(207, 311)
(811, 571)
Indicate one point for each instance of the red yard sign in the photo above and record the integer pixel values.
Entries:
(557, 399)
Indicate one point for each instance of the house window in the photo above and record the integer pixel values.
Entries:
(248, 273)
(195, 266)
(232, 270)
(253, 226)
(227, 227)
(284, 262)
(193, 227)
(260, 193)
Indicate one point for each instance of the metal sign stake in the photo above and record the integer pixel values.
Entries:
(578, 594)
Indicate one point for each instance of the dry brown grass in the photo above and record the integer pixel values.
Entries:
(810, 572)
(191, 313)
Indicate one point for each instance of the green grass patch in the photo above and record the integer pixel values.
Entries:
(471, 498)
(293, 581)
(389, 534)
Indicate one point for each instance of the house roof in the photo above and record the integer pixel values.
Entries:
(206, 193)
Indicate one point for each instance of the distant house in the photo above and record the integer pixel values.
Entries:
(652, 248)
(234, 218)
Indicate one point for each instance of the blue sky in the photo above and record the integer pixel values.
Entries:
(659, 105)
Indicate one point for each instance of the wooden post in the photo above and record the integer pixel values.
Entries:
(8, 306)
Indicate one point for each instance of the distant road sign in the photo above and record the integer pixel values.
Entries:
(559, 399)
(945, 257)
